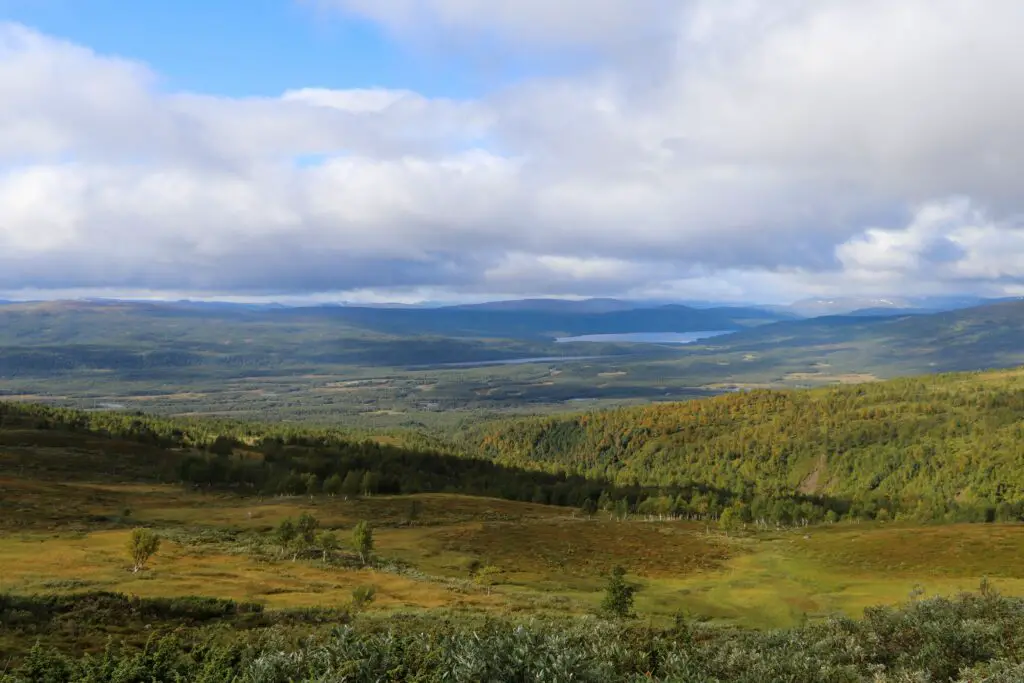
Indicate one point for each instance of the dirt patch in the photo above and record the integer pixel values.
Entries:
(810, 483)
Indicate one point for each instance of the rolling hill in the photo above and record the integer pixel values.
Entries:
(918, 444)
(989, 336)
(544, 320)
(73, 336)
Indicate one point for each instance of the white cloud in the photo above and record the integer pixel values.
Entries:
(949, 242)
(753, 149)
(532, 22)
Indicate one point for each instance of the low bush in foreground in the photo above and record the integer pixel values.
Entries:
(973, 638)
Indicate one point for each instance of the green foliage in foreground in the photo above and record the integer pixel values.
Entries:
(975, 637)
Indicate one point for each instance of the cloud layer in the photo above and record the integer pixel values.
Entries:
(737, 150)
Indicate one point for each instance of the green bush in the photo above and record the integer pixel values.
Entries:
(970, 639)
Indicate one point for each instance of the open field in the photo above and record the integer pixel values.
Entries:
(550, 559)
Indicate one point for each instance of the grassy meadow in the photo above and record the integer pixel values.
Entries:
(72, 537)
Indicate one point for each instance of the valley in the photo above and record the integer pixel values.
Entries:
(374, 368)
(774, 482)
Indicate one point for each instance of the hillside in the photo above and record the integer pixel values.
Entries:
(63, 321)
(920, 445)
(987, 336)
(39, 339)
(340, 365)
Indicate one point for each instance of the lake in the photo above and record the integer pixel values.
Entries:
(647, 337)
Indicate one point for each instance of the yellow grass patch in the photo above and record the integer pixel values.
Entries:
(72, 537)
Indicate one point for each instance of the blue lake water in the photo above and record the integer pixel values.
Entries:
(646, 337)
(623, 338)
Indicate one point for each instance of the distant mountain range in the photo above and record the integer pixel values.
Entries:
(100, 343)
(549, 320)
(811, 308)
(805, 308)
(535, 319)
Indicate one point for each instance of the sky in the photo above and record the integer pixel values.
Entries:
(457, 150)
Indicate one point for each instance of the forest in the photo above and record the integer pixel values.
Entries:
(935, 448)
(943, 447)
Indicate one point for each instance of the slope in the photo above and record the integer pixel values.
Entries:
(929, 440)
(988, 336)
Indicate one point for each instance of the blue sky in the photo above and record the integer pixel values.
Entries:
(446, 149)
(264, 47)
(259, 47)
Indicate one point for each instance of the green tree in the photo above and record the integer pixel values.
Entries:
(333, 485)
(352, 483)
(285, 534)
(362, 541)
(306, 528)
(618, 595)
(312, 483)
(328, 543)
(222, 445)
(142, 545)
(369, 483)
(589, 507)
(486, 577)
(729, 520)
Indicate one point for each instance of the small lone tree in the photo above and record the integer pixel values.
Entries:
(589, 507)
(618, 595)
(328, 542)
(486, 577)
(285, 535)
(142, 546)
(362, 540)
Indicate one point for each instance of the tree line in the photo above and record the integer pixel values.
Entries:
(941, 448)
